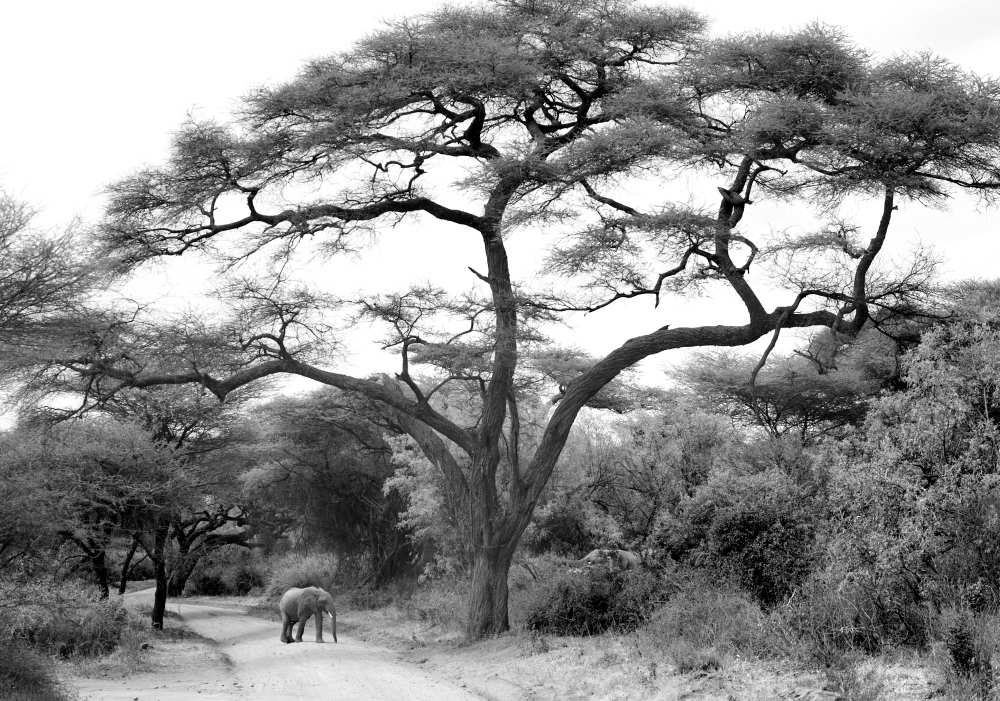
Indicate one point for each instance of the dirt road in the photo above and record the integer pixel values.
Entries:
(245, 660)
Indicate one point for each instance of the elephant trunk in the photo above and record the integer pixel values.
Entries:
(333, 623)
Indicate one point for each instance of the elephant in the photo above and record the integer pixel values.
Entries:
(297, 605)
(614, 560)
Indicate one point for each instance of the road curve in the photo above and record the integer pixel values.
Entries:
(254, 664)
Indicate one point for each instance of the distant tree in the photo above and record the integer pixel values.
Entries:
(100, 479)
(548, 114)
(210, 512)
(789, 398)
(319, 466)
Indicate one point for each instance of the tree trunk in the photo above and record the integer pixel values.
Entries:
(99, 564)
(160, 564)
(181, 571)
(488, 594)
(127, 564)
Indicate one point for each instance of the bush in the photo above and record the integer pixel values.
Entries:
(585, 603)
(706, 615)
(61, 619)
(227, 571)
(760, 528)
(833, 613)
(26, 675)
(963, 653)
(440, 602)
(294, 570)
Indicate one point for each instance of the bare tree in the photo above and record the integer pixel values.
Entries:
(552, 111)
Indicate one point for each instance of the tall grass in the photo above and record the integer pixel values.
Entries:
(26, 675)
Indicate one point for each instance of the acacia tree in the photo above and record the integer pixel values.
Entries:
(546, 110)
(43, 280)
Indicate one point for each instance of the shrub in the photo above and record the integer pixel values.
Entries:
(833, 613)
(61, 619)
(438, 602)
(228, 571)
(705, 615)
(760, 528)
(586, 603)
(295, 570)
(26, 675)
(964, 650)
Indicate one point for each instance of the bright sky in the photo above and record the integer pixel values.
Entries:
(93, 90)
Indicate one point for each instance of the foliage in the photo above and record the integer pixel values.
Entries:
(917, 493)
(229, 570)
(315, 470)
(59, 618)
(429, 518)
(100, 479)
(759, 527)
(26, 675)
(576, 602)
(790, 396)
(615, 479)
(43, 283)
(303, 570)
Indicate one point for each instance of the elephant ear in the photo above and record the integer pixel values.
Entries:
(307, 603)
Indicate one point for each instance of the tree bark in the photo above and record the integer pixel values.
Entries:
(127, 564)
(181, 571)
(488, 593)
(159, 556)
(99, 563)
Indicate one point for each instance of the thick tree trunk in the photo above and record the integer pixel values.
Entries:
(160, 563)
(488, 594)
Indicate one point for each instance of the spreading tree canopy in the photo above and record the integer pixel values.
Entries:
(555, 116)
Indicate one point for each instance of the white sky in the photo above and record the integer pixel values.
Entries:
(93, 90)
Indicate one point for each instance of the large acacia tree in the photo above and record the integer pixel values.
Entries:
(568, 116)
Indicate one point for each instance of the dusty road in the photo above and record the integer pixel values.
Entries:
(245, 660)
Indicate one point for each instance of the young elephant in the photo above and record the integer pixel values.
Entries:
(297, 605)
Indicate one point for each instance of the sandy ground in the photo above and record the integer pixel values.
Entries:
(240, 657)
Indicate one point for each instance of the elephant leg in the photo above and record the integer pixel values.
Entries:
(318, 616)
(286, 628)
(301, 627)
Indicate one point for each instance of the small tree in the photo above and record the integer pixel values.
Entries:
(549, 112)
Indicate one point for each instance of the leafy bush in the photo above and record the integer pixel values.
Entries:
(758, 527)
(828, 617)
(228, 571)
(61, 619)
(707, 615)
(578, 602)
(26, 675)
(295, 570)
